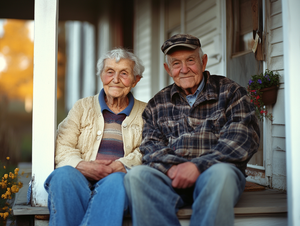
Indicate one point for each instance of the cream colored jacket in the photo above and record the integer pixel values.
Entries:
(79, 135)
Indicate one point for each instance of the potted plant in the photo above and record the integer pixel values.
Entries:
(262, 90)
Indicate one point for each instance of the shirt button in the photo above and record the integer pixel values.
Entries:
(98, 138)
(99, 132)
(125, 125)
(128, 147)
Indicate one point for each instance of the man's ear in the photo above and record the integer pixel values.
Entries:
(204, 62)
(167, 69)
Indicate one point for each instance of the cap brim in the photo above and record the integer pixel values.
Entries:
(181, 44)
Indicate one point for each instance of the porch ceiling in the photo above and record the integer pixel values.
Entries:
(83, 10)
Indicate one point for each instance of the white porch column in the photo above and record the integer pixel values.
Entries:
(44, 96)
(291, 44)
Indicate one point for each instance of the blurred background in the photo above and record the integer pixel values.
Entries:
(16, 87)
(86, 30)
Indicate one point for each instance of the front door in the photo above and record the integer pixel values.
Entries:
(241, 61)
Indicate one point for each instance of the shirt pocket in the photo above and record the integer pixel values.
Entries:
(175, 128)
(210, 129)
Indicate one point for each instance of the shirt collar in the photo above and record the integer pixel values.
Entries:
(199, 89)
(176, 90)
(104, 106)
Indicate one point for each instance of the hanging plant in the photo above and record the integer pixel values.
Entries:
(262, 90)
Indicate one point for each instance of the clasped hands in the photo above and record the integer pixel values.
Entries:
(183, 175)
(98, 169)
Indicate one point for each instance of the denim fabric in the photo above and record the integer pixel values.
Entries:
(73, 200)
(154, 202)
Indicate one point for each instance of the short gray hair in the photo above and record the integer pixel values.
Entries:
(201, 54)
(118, 54)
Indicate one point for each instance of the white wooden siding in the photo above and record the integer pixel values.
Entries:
(142, 47)
(274, 59)
(203, 20)
(199, 18)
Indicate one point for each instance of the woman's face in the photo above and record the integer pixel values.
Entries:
(118, 78)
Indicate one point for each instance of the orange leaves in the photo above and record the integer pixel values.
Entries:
(16, 48)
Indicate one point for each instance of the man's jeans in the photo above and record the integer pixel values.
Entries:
(74, 201)
(154, 202)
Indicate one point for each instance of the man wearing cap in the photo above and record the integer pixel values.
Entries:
(199, 133)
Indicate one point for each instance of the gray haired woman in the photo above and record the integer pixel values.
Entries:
(95, 146)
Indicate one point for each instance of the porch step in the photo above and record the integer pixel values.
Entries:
(256, 202)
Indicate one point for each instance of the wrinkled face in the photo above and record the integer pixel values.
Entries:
(186, 68)
(118, 78)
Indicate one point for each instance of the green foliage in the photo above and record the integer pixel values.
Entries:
(264, 80)
(255, 85)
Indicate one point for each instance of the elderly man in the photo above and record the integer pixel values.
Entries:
(199, 133)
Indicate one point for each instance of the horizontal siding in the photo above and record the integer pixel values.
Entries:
(276, 49)
(278, 109)
(144, 22)
(278, 131)
(215, 69)
(276, 21)
(275, 7)
(206, 28)
(278, 145)
(201, 19)
(276, 35)
(190, 4)
(200, 9)
(142, 47)
(277, 63)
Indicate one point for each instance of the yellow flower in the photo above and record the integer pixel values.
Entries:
(7, 158)
(5, 215)
(4, 167)
(16, 171)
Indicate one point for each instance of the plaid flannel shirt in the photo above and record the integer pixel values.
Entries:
(221, 126)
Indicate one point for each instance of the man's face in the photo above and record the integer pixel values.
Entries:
(186, 68)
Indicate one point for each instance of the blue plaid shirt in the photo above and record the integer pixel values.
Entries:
(220, 126)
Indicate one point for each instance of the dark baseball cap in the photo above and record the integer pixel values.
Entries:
(181, 40)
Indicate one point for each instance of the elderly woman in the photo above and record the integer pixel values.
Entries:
(96, 144)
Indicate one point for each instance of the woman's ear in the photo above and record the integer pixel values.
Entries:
(137, 79)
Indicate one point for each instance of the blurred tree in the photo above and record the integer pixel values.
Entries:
(16, 55)
(16, 85)
(16, 47)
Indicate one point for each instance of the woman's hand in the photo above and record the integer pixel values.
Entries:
(118, 167)
(95, 170)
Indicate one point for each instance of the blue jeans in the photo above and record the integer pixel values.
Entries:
(74, 201)
(154, 202)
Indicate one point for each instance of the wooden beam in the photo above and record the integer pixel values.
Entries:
(44, 97)
(291, 48)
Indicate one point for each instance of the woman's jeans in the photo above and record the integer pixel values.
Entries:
(154, 202)
(74, 201)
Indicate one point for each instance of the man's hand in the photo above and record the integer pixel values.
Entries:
(183, 175)
(95, 170)
(117, 167)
